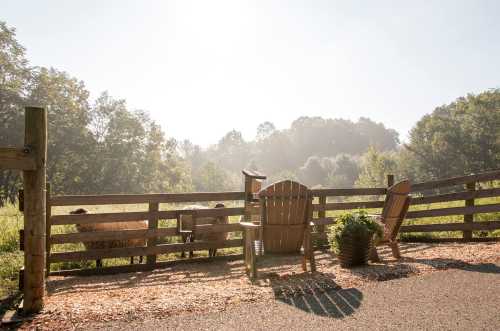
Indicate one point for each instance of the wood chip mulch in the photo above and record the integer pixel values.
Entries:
(73, 302)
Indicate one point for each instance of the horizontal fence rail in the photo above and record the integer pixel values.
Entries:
(17, 158)
(483, 177)
(141, 215)
(115, 199)
(141, 251)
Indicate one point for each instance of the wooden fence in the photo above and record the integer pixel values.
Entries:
(467, 188)
(322, 206)
(152, 235)
(31, 159)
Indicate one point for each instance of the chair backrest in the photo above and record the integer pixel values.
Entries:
(285, 208)
(396, 205)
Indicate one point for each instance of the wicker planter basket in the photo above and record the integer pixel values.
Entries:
(354, 251)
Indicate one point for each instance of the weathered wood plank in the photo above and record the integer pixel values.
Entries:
(489, 225)
(348, 191)
(217, 228)
(17, 158)
(348, 205)
(138, 216)
(112, 199)
(486, 176)
(107, 217)
(486, 193)
(138, 251)
(253, 174)
(111, 235)
(454, 211)
(142, 267)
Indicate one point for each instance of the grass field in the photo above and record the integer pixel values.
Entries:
(11, 221)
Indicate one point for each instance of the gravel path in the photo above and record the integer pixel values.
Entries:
(194, 289)
(447, 300)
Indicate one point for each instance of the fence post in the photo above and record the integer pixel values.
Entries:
(469, 218)
(390, 180)
(152, 225)
(322, 239)
(34, 210)
(253, 185)
(47, 229)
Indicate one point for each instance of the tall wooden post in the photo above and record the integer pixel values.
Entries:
(469, 218)
(35, 210)
(253, 185)
(390, 180)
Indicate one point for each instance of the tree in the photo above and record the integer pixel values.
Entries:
(264, 130)
(458, 138)
(212, 178)
(375, 166)
(377, 134)
(345, 171)
(70, 142)
(314, 171)
(232, 151)
(14, 77)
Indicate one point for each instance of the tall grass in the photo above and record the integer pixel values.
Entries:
(11, 259)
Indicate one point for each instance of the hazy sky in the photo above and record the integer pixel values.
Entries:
(202, 68)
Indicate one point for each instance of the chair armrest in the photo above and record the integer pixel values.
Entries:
(249, 225)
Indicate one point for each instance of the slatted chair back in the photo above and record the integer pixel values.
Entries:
(285, 208)
(396, 205)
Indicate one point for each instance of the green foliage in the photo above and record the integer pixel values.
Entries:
(11, 221)
(92, 149)
(11, 259)
(344, 171)
(375, 166)
(358, 226)
(458, 138)
(212, 178)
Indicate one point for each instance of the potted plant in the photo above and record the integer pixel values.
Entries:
(351, 238)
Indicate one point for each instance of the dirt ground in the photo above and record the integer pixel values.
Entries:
(73, 302)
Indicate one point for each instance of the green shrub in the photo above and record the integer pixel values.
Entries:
(358, 225)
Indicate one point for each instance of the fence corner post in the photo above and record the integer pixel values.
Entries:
(35, 210)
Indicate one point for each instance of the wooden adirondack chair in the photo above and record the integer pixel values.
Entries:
(394, 211)
(286, 214)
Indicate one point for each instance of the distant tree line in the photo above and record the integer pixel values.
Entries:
(104, 147)
(101, 147)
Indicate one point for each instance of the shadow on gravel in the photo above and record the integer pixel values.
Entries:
(317, 294)
(176, 275)
(442, 263)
